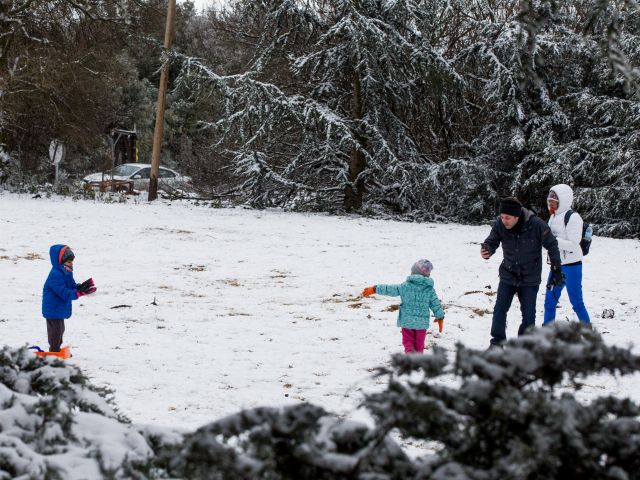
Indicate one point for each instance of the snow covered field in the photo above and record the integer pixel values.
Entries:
(261, 307)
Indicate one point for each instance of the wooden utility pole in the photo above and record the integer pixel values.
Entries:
(162, 94)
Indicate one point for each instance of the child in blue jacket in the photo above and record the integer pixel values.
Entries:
(59, 290)
(418, 296)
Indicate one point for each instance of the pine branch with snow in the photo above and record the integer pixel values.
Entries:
(513, 413)
(55, 424)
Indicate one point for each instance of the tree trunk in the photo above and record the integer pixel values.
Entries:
(354, 191)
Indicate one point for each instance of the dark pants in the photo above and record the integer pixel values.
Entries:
(526, 296)
(55, 330)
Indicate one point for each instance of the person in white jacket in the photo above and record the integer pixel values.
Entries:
(568, 232)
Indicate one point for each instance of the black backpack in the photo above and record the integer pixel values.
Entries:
(587, 233)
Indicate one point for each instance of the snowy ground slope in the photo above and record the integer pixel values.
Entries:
(260, 308)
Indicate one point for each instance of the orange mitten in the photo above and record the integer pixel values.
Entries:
(367, 292)
(440, 322)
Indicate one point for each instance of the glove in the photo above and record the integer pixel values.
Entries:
(88, 292)
(485, 251)
(440, 322)
(557, 277)
(85, 286)
(367, 292)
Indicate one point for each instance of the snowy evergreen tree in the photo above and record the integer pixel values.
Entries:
(555, 92)
(589, 138)
(352, 122)
(429, 109)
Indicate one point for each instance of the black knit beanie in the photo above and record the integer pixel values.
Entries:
(510, 206)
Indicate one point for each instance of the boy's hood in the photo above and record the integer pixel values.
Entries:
(54, 254)
(420, 280)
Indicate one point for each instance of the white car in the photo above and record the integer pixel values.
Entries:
(139, 174)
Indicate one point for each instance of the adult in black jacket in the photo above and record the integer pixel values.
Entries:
(522, 234)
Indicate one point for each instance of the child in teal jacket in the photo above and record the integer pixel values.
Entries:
(417, 297)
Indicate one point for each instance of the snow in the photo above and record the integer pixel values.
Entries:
(116, 442)
(260, 308)
(204, 5)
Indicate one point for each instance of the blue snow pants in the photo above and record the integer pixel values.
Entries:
(573, 280)
(526, 296)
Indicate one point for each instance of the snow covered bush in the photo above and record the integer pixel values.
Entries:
(54, 424)
(512, 413)
(497, 414)
(493, 414)
(458, 189)
(303, 441)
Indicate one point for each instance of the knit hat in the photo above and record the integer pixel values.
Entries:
(510, 206)
(422, 267)
(65, 254)
(553, 196)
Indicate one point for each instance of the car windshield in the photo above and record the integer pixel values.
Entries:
(125, 170)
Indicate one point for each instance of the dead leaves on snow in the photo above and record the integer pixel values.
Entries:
(354, 302)
(28, 256)
(192, 268)
(480, 312)
(488, 293)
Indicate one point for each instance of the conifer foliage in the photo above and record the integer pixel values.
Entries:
(341, 120)
(513, 413)
(429, 108)
(54, 423)
(432, 109)
(495, 414)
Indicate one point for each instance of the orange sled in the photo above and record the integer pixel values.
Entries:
(65, 352)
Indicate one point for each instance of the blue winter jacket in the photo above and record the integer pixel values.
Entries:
(59, 289)
(418, 297)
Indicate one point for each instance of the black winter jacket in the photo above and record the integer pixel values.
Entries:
(522, 249)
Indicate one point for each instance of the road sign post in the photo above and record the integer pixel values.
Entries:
(56, 154)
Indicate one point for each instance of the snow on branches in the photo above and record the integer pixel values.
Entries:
(55, 424)
(511, 413)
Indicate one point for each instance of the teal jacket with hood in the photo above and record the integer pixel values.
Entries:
(418, 297)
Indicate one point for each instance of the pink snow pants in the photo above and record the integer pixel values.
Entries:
(413, 340)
